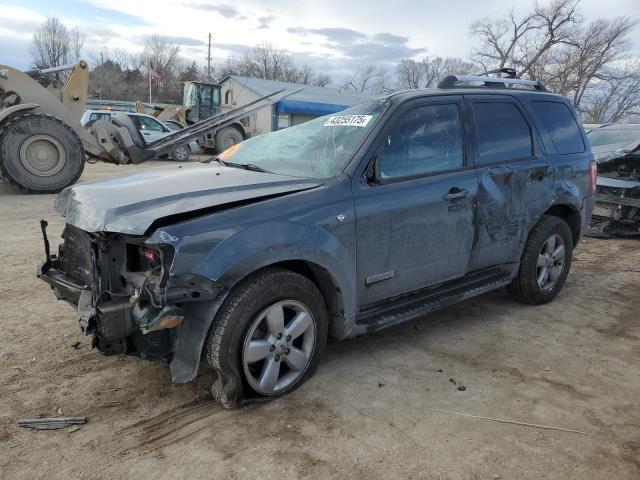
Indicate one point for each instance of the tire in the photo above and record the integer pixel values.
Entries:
(538, 256)
(40, 153)
(226, 138)
(180, 153)
(233, 333)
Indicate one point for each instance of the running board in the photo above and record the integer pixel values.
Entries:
(394, 311)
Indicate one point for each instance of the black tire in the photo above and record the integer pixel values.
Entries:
(223, 347)
(65, 153)
(525, 286)
(226, 138)
(181, 153)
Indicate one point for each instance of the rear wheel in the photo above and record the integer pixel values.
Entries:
(227, 138)
(268, 337)
(40, 153)
(545, 263)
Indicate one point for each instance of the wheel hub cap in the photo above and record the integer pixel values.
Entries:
(42, 155)
(550, 262)
(278, 347)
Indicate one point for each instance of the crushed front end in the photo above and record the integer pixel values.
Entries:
(617, 208)
(123, 292)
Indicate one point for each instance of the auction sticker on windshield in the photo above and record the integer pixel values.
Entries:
(348, 121)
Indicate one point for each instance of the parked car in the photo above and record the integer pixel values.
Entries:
(617, 151)
(151, 128)
(342, 225)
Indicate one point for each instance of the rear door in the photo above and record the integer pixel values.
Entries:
(415, 224)
(515, 178)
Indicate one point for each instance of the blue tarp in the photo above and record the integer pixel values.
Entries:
(308, 108)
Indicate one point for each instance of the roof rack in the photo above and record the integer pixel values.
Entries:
(490, 82)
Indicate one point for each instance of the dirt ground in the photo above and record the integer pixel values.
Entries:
(374, 408)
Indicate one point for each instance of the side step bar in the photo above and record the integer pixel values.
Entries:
(408, 307)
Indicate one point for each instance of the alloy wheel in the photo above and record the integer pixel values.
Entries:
(551, 261)
(278, 347)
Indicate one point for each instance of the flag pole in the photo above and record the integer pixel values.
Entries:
(149, 74)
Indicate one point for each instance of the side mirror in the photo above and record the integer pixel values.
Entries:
(373, 171)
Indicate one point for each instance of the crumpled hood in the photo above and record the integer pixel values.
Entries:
(604, 153)
(131, 203)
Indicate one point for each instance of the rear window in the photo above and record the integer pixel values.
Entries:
(503, 133)
(561, 125)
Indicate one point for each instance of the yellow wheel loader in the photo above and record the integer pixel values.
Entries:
(42, 144)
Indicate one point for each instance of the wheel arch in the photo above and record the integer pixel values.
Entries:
(240, 127)
(324, 281)
(570, 215)
(20, 108)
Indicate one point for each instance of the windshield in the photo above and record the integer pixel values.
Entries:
(319, 148)
(609, 136)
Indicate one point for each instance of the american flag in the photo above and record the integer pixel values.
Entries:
(154, 76)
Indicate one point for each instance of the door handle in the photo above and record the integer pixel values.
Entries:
(455, 194)
(146, 133)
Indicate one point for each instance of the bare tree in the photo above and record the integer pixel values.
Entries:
(51, 44)
(161, 55)
(429, 71)
(410, 73)
(502, 41)
(587, 62)
(76, 42)
(269, 62)
(361, 80)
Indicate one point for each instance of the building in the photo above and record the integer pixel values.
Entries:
(298, 108)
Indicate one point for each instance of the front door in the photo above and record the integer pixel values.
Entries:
(414, 222)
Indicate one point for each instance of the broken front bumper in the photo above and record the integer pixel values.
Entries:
(142, 316)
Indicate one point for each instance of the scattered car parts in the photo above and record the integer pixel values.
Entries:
(617, 209)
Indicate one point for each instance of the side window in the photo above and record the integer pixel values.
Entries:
(150, 124)
(503, 133)
(426, 140)
(561, 125)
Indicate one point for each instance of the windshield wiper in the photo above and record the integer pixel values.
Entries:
(247, 166)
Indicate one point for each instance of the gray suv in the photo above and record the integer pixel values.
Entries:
(340, 226)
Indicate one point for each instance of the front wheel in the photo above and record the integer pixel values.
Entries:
(40, 153)
(267, 338)
(180, 153)
(545, 263)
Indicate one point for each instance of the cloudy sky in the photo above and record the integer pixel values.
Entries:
(329, 35)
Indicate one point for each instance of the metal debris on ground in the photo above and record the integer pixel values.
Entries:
(513, 422)
(52, 423)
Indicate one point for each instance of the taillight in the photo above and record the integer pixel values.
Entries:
(593, 175)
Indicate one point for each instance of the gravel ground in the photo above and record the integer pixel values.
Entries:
(373, 410)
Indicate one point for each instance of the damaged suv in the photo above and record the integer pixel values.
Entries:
(340, 226)
(617, 151)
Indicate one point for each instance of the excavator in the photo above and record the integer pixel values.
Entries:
(44, 148)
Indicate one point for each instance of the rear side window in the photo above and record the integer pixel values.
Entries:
(561, 125)
(503, 133)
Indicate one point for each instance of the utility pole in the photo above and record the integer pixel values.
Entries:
(209, 60)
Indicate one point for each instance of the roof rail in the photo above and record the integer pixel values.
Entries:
(491, 82)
